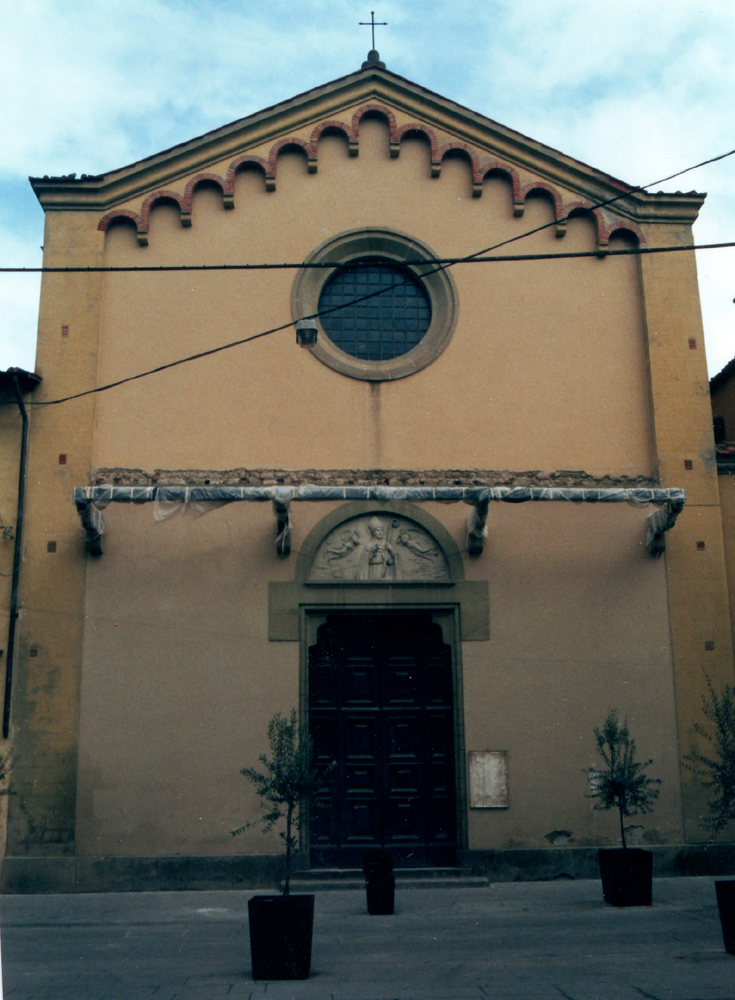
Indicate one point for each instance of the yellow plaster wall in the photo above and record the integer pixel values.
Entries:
(682, 427)
(45, 707)
(180, 680)
(518, 387)
(578, 626)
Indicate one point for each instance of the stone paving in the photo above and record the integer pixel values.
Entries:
(508, 941)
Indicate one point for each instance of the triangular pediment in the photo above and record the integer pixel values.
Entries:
(450, 130)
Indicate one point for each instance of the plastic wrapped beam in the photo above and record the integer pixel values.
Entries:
(193, 501)
(101, 496)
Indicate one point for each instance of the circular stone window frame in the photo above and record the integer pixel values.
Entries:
(392, 247)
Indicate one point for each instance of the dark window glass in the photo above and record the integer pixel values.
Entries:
(385, 326)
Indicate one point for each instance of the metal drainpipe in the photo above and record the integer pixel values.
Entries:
(16, 559)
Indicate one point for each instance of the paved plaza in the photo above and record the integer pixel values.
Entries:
(507, 941)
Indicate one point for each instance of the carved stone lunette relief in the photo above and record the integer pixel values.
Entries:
(379, 548)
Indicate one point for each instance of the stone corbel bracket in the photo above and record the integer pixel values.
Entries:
(477, 526)
(661, 521)
(282, 510)
(94, 526)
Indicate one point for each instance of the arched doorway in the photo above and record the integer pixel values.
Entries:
(381, 587)
(381, 706)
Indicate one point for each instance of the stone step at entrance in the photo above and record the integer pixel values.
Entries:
(320, 879)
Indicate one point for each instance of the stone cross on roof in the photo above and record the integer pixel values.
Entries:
(372, 22)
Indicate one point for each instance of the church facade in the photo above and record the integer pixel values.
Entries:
(464, 510)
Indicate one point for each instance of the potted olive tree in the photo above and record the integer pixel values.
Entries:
(281, 926)
(717, 763)
(622, 784)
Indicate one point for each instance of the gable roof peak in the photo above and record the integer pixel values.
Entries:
(372, 89)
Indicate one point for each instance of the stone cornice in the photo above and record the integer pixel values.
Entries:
(487, 139)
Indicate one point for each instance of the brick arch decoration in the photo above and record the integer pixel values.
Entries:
(625, 228)
(466, 152)
(336, 128)
(604, 230)
(494, 168)
(165, 195)
(549, 191)
(373, 109)
(582, 208)
(225, 184)
(248, 161)
(413, 129)
(118, 215)
(480, 170)
(288, 146)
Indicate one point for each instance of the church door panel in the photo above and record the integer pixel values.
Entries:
(360, 801)
(380, 705)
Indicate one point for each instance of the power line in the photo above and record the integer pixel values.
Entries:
(604, 204)
(419, 262)
(441, 266)
(161, 368)
(447, 261)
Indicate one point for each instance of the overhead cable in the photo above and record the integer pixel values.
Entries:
(441, 266)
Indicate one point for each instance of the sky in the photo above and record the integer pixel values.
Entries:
(637, 88)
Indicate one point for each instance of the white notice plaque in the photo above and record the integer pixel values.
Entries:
(489, 779)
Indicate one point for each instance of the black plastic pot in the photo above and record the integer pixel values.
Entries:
(379, 881)
(627, 875)
(381, 893)
(726, 905)
(280, 936)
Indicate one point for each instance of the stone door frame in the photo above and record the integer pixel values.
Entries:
(447, 618)
(460, 607)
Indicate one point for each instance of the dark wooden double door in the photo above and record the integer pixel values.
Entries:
(381, 706)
